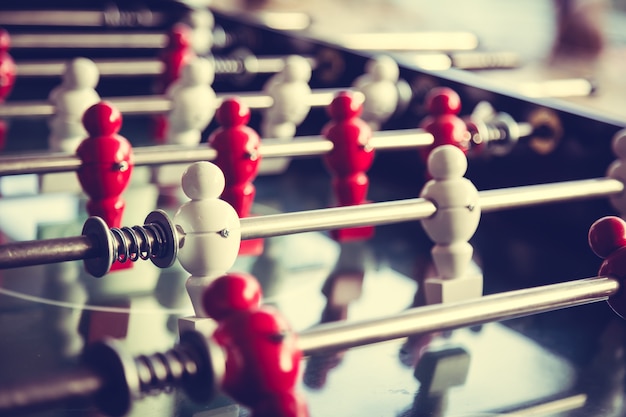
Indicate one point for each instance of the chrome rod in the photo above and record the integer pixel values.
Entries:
(106, 67)
(109, 40)
(441, 317)
(111, 16)
(47, 251)
(351, 216)
(152, 67)
(412, 41)
(418, 209)
(175, 154)
(332, 218)
(146, 105)
(519, 197)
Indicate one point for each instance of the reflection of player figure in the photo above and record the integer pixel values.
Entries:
(378, 85)
(291, 103)
(193, 103)
(238, 156)
(107, 163)
(7, 77)
(350, 158)
(70, 100)
(342, 287)
(210, 228)
(262, 357)
(447, 128)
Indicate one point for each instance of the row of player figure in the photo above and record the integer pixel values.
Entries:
(186, 81)
(261, 352)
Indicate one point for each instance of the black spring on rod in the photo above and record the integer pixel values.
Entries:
(156, 241)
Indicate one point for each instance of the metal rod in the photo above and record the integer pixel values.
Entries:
(40, 252)
(332, 218)
(106, 67)
(519, 197)
(110, 17)
(504, 306)
(151, 66)
(109, 40)
(411, 41)
(176, 154)
(75, 248)
(418, 209)
(146, 105)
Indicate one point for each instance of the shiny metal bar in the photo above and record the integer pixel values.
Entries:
(146, 105)
(129, 67)
(110, 17)
(109, 40)
(504, 306)
(38, 164)
(408, 41)
(519, 197)
(47, 163)
(418, 209)
(568, 87)
(332, 218)
(132, 67)
(40, 252)
(352, 216)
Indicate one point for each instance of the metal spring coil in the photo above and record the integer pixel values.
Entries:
(139, 242)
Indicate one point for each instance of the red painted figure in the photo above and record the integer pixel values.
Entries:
(607, 239)
(443, 106)
(175, 56)
(107, 163)
(238, 157)
(7, 77)
(350, 158)
(262, 357)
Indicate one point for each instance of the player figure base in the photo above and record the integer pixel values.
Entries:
(438, 290)
(203, 325)
(251, 247)
(353, 234)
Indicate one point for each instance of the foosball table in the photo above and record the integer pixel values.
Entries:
(205, 213)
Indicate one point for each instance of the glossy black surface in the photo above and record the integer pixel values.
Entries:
(572, 358)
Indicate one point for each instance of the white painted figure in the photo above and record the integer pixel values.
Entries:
(455, 222)
(209, 228)
(70, 100)
(193, 103)
(202, 23)
(379, 86)
(291, 96)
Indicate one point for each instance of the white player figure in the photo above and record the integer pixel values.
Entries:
(70, 100)
(202, 23)
(193, 103)
(290, 93)
(210, 231)
(379, 86)
(455, 222)
(617, 170)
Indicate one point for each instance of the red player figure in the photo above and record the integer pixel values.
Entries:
(7, 77)
(238, 157)
(350, 158)
(175, 56)
(107, 163)
(443, 106)
(607, 239)
(262, 357)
